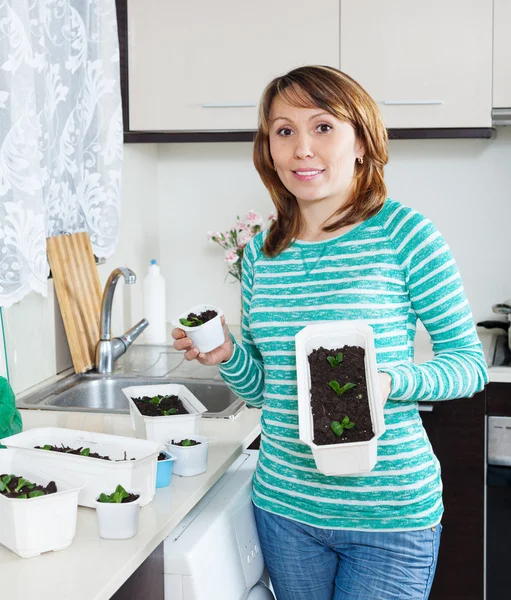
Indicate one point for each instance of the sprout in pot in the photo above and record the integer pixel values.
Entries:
(185, 443)
(14, 486)
(338, 388)
(193, 320)
(160, 406)
(120, 496)
(117, 514)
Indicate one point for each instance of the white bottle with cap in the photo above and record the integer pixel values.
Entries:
(154, 305)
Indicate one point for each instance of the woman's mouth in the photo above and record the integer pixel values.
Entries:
(307, 174)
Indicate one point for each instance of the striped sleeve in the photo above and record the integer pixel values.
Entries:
(458, 369)
(244, 372)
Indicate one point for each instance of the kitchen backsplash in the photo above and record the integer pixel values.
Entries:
(174, 193)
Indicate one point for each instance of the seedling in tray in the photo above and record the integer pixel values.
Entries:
(13, 486)
(78, 452)
(339, 401)
(160, 406)
(339, 427)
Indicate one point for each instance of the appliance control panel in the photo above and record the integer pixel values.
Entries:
(499, 441)
(248, 544)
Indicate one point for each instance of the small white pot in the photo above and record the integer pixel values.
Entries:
(117, 521)
(190, 460)
(205, 337)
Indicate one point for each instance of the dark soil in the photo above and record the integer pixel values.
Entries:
(130, 498)
(150, 409)
(193, 443)
(327, 406)
(78, 452)
(26, 490)
(204, 316)
(162, 456)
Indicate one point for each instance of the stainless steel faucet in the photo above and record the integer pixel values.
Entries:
(108, 350)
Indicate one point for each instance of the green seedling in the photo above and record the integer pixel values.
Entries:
(171, 411)
(46, 447)
(155, 400)
(186, 443)
(85, 452)
(23, 483)
(193, 322)
(4, 483)
(335, 361)
(338, 428)
(340, 390)
(34, 494)
(116, 497)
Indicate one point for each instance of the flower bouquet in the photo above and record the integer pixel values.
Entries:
(235, 239)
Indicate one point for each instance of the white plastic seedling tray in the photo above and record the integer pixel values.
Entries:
(31, 526)
(96, 475)
(344, 458)
(160, 429)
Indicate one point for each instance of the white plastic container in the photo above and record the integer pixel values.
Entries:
(343, 458)
(190, 460)
(205, 337)
(31, 526)
(158, 428)
(154, 293)
(117, 521)
(94, 474)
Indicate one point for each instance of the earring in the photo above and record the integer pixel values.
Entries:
(274, 167)
(360, 160)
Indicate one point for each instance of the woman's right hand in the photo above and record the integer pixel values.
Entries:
(221, 354)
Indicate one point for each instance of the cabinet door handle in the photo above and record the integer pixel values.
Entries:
(231, 105)
(426, 408)
(411, 102)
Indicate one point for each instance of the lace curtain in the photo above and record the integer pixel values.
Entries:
(60, 133)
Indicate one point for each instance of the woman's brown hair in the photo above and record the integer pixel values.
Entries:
(336, 93)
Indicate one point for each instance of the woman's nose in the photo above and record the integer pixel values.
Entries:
(303, 147)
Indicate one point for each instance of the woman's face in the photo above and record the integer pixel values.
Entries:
(314, 152)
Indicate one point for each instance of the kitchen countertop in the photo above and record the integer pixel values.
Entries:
(93, 568)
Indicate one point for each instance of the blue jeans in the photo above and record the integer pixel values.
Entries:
(308, 563)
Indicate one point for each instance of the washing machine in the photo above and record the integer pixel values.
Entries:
(214, 553)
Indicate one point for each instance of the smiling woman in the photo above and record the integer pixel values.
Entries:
(341, 250)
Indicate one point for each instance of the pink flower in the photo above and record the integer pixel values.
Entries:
(253, 219)
(231, 257)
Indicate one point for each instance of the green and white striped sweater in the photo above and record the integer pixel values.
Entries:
(389, 271)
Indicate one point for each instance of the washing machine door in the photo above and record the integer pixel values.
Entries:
(259, 592)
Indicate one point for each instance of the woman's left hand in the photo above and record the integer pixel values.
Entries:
(385, 386)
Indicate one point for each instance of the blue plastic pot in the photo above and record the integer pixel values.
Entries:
(164, 471)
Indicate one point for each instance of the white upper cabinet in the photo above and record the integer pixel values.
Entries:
(202, 66)
(502, 54)
(426, 64)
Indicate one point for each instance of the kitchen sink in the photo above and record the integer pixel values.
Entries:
(93, 392)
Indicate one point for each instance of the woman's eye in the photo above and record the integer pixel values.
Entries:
(324, 128)
(284, 132)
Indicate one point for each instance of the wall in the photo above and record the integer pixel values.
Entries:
(174, 193)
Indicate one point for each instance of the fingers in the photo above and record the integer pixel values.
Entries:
(178, 333)
(222, 320)
(192, 353)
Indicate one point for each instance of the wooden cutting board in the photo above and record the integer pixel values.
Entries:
(79, 294)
